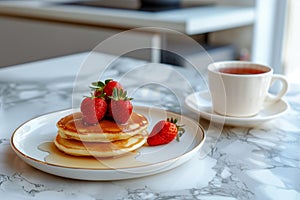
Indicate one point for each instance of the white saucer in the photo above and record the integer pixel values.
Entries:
(200, 103)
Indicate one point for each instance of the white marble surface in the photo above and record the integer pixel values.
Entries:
(261, 162)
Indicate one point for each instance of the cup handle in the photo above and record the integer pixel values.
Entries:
(271, 98)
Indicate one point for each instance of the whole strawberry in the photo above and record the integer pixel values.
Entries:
(164, 132)
(93, 109)
(105, 88)
(97, 87)
(120, 106)
(109, 87)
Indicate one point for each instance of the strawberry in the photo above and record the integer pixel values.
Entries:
(105, 88)
(98, 87)
(109, 87)
(164, 132)
(93, 109)
(120, 107)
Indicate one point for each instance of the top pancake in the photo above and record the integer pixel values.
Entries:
(73, 127)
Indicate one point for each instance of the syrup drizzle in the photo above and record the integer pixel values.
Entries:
(59, 158)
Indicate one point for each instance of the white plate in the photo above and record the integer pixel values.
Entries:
(200, 103)
(40, 131)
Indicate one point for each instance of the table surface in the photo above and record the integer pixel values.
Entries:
(195, 20)
(260, 162)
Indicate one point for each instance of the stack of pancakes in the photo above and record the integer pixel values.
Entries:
(106, 139)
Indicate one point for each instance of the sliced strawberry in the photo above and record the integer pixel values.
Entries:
(164, 132)
(120, 106)
(93, 109)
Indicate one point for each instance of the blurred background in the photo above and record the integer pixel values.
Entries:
(261, 31)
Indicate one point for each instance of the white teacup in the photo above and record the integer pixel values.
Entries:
(240, 88)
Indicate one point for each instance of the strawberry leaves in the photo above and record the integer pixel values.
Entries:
(180, 129)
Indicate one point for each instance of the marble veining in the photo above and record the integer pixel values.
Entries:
(259, 162)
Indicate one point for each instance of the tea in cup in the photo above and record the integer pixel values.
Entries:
(240, 88)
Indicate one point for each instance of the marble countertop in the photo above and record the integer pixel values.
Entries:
(190, 21)
(260, 162)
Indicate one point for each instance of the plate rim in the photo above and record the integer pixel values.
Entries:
(37, 161)
(214, 117)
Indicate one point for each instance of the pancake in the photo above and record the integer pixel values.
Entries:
(100, 149)
(73, 127)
